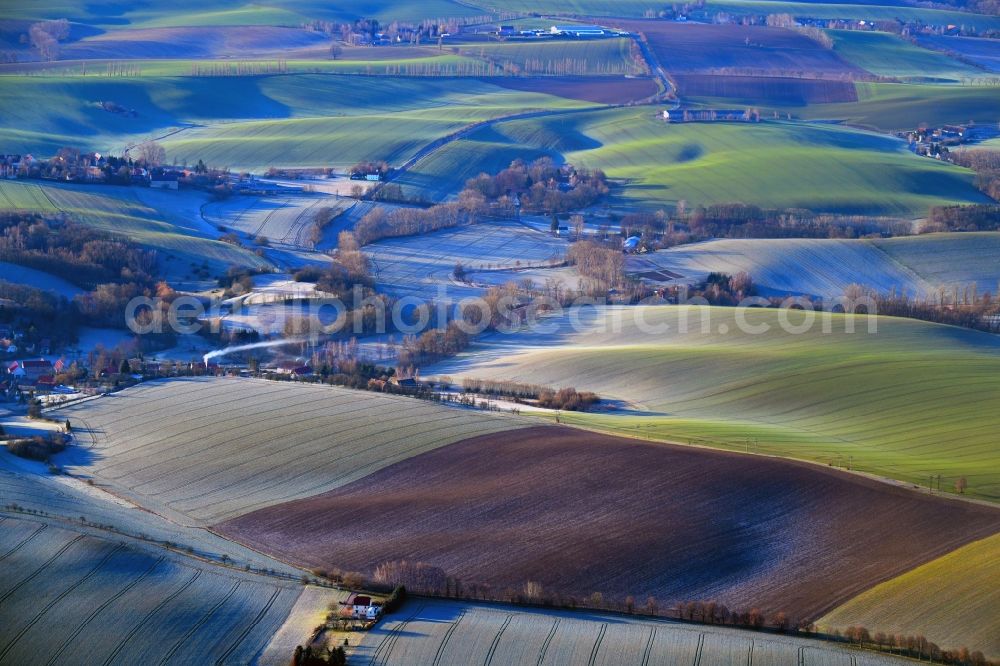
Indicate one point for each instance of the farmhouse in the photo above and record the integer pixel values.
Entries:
(578, 30)
(363, 608)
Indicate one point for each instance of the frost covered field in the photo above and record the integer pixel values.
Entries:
(212, 449)
(916, 265)
(284, 219)
(95, 600)
(426, 632)
(419, 265)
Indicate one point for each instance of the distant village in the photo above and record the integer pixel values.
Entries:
(938, 142)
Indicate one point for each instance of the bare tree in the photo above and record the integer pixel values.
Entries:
(46, 35)
(152, 153)
(335, 50)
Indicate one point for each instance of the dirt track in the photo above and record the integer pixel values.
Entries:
(580, 512)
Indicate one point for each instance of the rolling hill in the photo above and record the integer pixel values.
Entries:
(168, 222)
(93, 599)
(771, 164)
(906, 401)
(917, 265)
(580, 512)
(170, 445)
(945, 599)
(459, 632)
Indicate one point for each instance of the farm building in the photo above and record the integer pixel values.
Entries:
(31, 372)
(363, 608)
(710, 115)
(579, 30)
(405, 382)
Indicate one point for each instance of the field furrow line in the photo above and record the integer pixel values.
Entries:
(121, 645)
(447, 637)
(23, 542)
(62, 595)
(205, 618)
(597, 644)
(496, 641)
(699, 649)
(649, 646)
(40, 569)
(97, 611)
(385, 646)
(250, 627)
(750, 653)
(548, 640)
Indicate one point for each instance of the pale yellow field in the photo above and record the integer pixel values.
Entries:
(953, 600)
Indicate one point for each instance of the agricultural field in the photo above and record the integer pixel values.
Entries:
(252, 121)
(982, 52)
(235, 13)
(897, 106)
(770, 91)
(596, 89)
(195, 42)
(31, 486)
(170, 445)
(918, 265)
(905, 402)
(91, 599)
(535, 505)
(284, 220)
(733, 50)
(820, 10)
(559, 57)
(38, 279)
(770, 164)
(857, 11)
(454, 632)
(885, 54)
(420, 266)
(945, 597)
(167, 222)
(949, 260)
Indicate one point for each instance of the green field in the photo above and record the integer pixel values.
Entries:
(598, 56)
(906, 402)
(888, 55)
(820, 167)
(234, 12)
(289, 117)
(888, 107)
(945, 599)
(896, 106)
(165, 221)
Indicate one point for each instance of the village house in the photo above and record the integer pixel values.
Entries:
(363, 608)
(33, 372)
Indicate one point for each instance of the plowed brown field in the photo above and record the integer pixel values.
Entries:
(580, 512)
